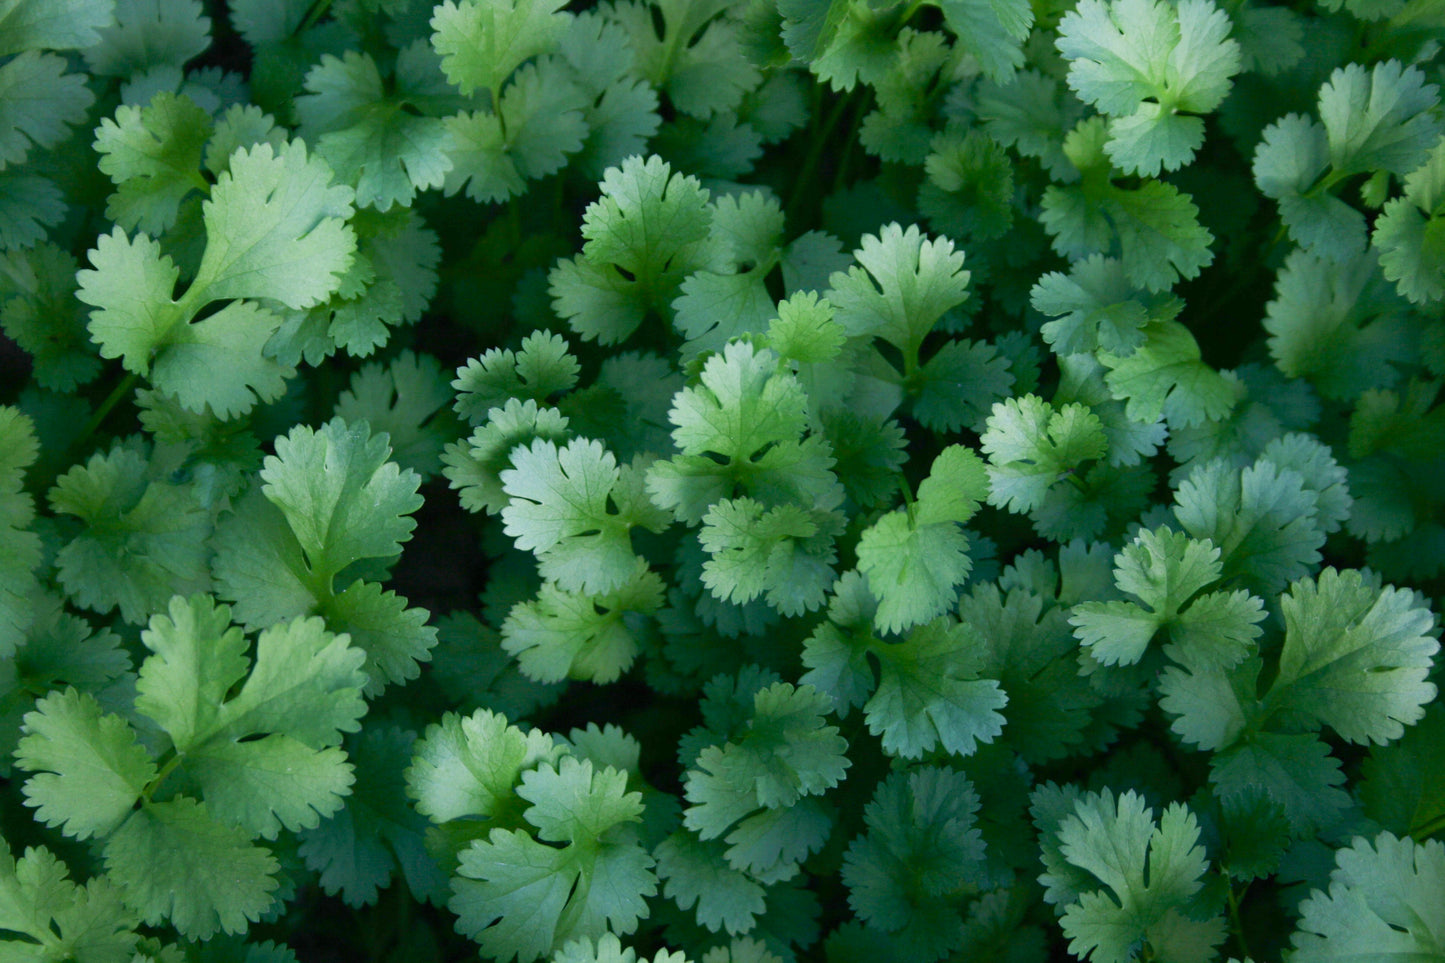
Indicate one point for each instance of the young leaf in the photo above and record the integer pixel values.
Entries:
(1149, 66)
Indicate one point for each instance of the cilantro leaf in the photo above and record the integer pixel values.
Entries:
(690, 50)
(1263, 518)
(1097, 308)
(173, 861)
(20, 550)
(786, 754)
(1112, 842)
(148, 34)
(153, 155)
(929, 694)
(560, 510)
(265, 758)
(647, 232)
(1337, 323)
(275, 228)
(1410, 232)
(342, 497)
(323, 507)
(1384, 899)
(538, 123)
(1031, 447)
(608, 949)
(39, 103)
(52, 24)
(64, 921)
(39, 312)
(1153, 228)
(561, 634)
(89, 769)
(369, 134)
(522, 898)
(1355, 657)
(696, 873)
(1033, 656)
(1148, 66)
(993, 31)
(742, 428)
(921, 840)
(144, 539)
(1167, 572)
(469, 766)
(755, 551)
(481, 42)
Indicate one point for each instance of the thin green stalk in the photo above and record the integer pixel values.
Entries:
(1234, 921)
(318, 10)
(820, 139)
(123, 388)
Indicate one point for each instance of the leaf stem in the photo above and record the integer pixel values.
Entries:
(318, 10)
(161, 776)
(821, 137)
(124, 387)
(1424, 832)
(1235, 923)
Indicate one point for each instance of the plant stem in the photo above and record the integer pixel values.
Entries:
(123, 388)
(318, 10)
(1234, 921)
(820, 139)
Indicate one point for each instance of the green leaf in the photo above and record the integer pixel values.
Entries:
(993, 31)
(481, 42)
(1383, 902)
(522, 898)
(559, 510)
(742, 428)
(1149, 65)
(1030, 651)
(1410, 232)
(1355, 657)
(914, 559)
(173, 861)
(541, 120)
(1097, 308)
(150, 34)
(89, 769)
(773, 552)
(144, 540)
(903, 285)
(64, 921)
(929, 694)
(263, 758)
(1337, 323)
(52, 24)
(1263, 518)
(697, 873)
(153, 156)
(1167, 572)
(20, 550)
(1032, 447)
(786, 754)
(342, 497)
(1379, 120)
(275, 228)
(1114, 842)
(39, 103)
(647, 232)
(560, 634)
(921, 840)
(1295, 771)
(370, 136)
(40, 313)
(691, 51)
(378, 831)
(469, 766)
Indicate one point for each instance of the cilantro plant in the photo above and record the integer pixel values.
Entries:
(722, 481)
